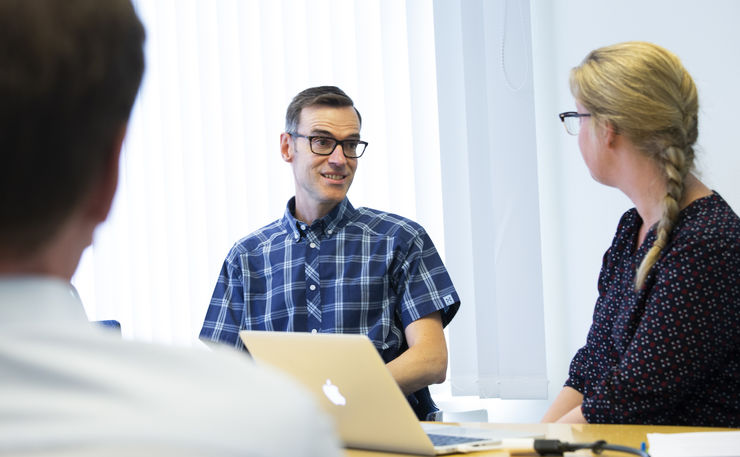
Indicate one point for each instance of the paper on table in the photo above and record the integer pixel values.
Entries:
(698, 444)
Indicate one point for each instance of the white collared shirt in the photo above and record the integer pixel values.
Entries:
(68, 387)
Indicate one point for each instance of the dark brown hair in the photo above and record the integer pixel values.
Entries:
(313, 96)
(69, 74)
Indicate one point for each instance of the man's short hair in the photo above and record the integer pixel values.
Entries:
(69, 73)
(313, 96)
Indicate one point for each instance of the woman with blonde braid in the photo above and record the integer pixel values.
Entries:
(664, 345)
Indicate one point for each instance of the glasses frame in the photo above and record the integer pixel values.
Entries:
(570, 115)
(310, 139)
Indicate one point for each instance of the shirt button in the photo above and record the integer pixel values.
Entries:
(329, 232)
(313, 245)
(314, 331)
(303, 227)
(312, 287)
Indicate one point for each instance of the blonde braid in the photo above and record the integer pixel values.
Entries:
(644, 93)
(675, 169)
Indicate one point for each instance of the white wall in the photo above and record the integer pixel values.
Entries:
(578, 215)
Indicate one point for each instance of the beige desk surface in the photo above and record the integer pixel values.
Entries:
(626, 435)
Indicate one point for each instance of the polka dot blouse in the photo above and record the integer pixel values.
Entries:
(670, 352)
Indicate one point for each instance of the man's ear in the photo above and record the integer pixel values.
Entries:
(101, 198)
(286, 147)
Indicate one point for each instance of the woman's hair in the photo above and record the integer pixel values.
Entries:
(644, 93)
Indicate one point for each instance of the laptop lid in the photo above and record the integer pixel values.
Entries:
(351, 382)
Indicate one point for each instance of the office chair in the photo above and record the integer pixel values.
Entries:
(111, 324)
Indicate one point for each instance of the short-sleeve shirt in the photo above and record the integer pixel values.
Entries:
(670, 352)
(353, 271)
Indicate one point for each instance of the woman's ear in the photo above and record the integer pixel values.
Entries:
(608, 134)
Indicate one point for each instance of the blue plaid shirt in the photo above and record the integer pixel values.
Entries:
(352, 271)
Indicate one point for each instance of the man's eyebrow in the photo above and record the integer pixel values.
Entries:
(353, 136)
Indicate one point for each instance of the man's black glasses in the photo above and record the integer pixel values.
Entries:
(325, 145)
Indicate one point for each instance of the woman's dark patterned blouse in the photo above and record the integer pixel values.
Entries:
(669, 353)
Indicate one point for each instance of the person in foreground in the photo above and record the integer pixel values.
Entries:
(326, 266)
(69, 74)
(664, 346)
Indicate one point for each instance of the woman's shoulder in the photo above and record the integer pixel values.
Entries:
(709, 218)
(627, 229)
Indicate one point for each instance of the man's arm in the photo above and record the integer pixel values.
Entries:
(225, 311)
(425, 361)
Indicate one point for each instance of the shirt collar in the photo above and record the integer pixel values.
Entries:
(38, 299)
(328, 225)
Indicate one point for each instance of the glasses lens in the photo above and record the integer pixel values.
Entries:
(358, 149)
(322, 145)
(350, 147)
(573, 124)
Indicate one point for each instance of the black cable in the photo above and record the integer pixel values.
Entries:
(557, 447)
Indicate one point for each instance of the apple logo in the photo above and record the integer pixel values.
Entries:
(332, 393)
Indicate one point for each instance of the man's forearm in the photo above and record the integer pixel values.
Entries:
(425, 361)
(417, 368)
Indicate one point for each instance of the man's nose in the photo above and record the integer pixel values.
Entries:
(337, 155)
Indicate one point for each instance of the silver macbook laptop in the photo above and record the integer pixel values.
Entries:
(351, 382)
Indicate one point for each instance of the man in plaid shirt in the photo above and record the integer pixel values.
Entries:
(326, 266)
